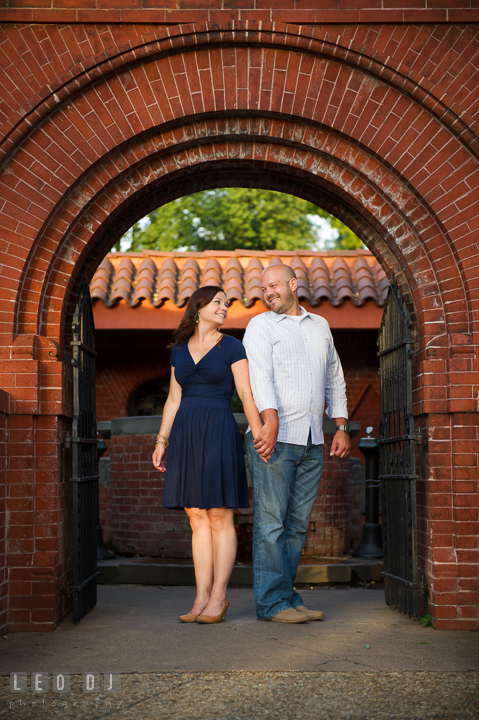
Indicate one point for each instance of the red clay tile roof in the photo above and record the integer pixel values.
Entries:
(154, 277)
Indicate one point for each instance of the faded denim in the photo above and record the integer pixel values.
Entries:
(285, 489)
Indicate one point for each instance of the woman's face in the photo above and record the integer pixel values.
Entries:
(216, 311)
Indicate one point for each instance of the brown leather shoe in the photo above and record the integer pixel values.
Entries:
(289, 616)
(312, 614)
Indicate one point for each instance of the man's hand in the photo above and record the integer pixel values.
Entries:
(266, 439)
(341, 444)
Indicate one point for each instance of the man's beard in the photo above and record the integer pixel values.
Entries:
(286, 303)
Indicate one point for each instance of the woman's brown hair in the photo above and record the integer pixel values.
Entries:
(200, 298)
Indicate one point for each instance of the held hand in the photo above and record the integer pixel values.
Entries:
(265, 440)
(340, 445)
(255, 431)
(158, 457)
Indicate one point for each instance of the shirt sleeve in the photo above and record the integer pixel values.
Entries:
(237, 351)
(335, 389)
(259, 351)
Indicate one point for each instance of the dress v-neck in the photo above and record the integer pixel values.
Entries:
(203, 356)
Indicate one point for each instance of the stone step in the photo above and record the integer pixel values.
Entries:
(148, 573)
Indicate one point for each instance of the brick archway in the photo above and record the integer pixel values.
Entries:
(285, 108)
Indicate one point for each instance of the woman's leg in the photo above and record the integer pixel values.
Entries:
(202, 543)
(224, 555)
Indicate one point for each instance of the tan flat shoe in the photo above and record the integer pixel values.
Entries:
(289, 616)
(208, 619)
(312, 614)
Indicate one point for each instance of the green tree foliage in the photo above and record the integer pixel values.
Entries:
(231, 218)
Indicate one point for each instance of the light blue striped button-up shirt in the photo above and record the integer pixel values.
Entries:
(295, 369)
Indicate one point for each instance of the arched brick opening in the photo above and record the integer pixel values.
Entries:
(284, 108)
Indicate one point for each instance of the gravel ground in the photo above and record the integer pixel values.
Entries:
(261, 696)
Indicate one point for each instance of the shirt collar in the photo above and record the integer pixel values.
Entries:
(304, 313)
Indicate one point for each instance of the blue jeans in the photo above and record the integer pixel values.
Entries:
(285, 489)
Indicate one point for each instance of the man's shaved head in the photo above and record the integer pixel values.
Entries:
(287, 271)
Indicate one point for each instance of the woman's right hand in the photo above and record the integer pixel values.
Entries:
(159, 458)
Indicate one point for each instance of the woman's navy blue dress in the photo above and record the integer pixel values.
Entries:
(205, 463)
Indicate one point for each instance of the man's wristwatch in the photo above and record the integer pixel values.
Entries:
(344, 428)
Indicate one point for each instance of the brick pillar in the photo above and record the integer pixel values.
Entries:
(39, 510)
(448, 521)
(3, 535)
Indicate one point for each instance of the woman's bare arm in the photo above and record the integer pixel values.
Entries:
(243, 387)
(169, 412)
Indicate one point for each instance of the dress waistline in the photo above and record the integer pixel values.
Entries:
(203, 401)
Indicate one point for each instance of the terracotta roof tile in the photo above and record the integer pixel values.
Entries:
(320, 281)
(100, 284)
(145, 282)
(303, 281)
(153, 277)
(167, 282)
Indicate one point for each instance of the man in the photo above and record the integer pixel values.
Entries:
(294, 370)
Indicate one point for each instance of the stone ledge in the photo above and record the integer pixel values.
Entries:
(150, 424)
(150, 574)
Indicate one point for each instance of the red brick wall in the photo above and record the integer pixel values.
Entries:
(101, 123)
(448, 522)
(334, 515)
(170, 12)
(3, 525)
(39, 530)
(126, 360)
(139, 525)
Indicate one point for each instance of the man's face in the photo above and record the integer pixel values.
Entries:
(277, 292)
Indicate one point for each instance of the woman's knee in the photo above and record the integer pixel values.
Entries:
(220, 518)
(198, 518)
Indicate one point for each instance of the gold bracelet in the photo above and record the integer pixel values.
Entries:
(161, 442)
(162, 436)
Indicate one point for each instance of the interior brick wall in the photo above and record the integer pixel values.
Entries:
(126, 360)
(138, 524)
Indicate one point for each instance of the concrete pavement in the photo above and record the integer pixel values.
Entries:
(135, 629)
(362, 644)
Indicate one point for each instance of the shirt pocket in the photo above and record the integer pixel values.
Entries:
(286, 355)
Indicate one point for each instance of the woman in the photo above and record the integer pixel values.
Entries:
(205, 472)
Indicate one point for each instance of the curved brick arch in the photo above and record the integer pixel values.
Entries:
(104, 120)
(225, 173)
(22, 120)
(324, 161)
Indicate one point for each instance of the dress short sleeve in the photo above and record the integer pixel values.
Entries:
(237, 351)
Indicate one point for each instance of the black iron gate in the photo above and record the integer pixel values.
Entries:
(84, 459)
(397, 470)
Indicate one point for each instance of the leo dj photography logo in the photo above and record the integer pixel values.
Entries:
(60, 682)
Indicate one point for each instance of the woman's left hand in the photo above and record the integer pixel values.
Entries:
(159, 458)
